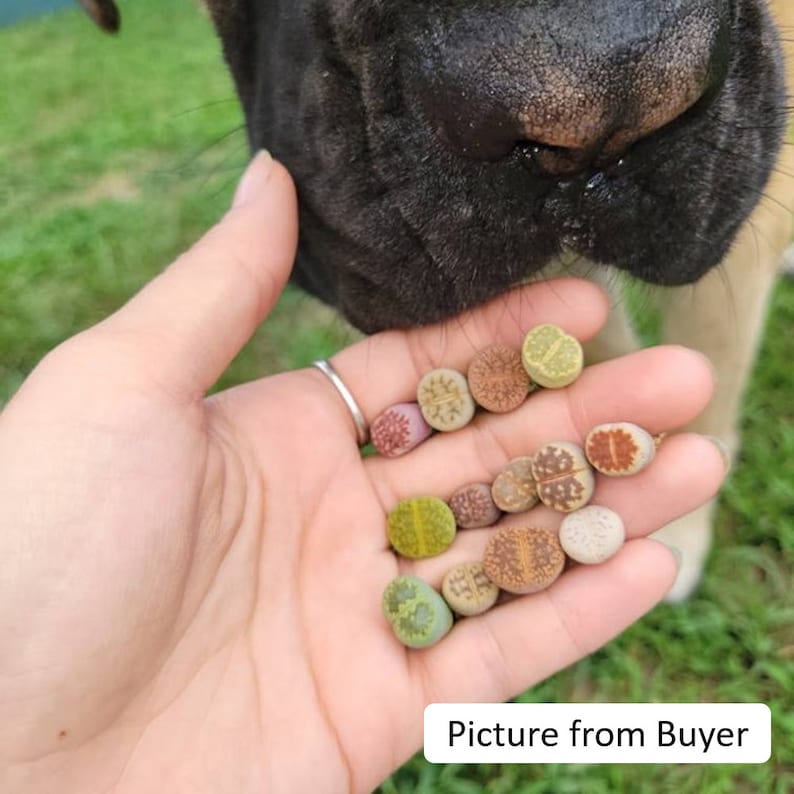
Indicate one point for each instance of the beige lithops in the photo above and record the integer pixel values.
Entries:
(514, 489)
(445, 400)
(468, 590)
(619, 449)
(523, 559)
(564, 478)
(592, 535)
(551, 357)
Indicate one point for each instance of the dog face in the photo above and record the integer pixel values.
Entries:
(446, 151)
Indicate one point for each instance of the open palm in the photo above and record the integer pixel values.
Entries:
(190, 590)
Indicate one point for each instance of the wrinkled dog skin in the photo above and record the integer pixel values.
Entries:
(380, 107)
(445, 151)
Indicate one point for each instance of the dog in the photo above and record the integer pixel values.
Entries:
(445, 152)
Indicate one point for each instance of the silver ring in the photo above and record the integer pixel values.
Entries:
(327, 369)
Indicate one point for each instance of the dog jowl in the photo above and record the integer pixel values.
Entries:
(445, 151)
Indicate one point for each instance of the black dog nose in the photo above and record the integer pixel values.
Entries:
(571, 87)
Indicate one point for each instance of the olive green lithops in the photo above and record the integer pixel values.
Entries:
(564, 478)
(421, 527)
(551, 357)
(523, 559)
(418, 615)
(619, 449)
(514, 489)
(468, 590)
(445, 400)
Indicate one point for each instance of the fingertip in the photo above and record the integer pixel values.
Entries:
(663, 563)
(694, 367)
(583, 305)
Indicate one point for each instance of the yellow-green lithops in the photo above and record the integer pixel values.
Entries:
(418, 615)
(421, 527)
(551, 357)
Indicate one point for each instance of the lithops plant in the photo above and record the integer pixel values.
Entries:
(620, 449)
(468, 590)
(514, 490)
(445, 400)
(551, 357)
(423, 526)
(497, 379)
(592, 535)
(523, 559)
(473, 506)
(418, 615)
(564, 478)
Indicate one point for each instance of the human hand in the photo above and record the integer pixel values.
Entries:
(190, 587)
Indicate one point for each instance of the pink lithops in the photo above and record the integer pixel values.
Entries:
(399, 429)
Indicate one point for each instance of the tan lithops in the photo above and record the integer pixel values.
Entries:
(523, 559)
(592, 535)
(564, 479)
(497, 379)
(468, 590)
(445, 400)
(473, 506)
(514, 489)
(619, 449)
(551, 357)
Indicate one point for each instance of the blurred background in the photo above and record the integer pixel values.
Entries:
(116, 153)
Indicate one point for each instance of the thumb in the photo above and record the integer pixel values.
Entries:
(189, 322)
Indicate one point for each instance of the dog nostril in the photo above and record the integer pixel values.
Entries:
(554, 162)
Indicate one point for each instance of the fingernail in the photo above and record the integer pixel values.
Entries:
(254, 179)
(727, 458)
(678, 554)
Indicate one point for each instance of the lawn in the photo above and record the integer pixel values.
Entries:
(117, 153)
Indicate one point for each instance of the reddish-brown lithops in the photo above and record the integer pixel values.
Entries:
(564, 478)
(399, 429)
(619, 448)
(514, 489)
(473, 506)
(468, 590)
(445, 400)
(592, 535)
(497, 379)
(523, 559)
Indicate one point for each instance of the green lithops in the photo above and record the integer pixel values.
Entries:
(421, 527)
(418, 615)
(551, 357)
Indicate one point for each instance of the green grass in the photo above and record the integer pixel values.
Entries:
(116, 154)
